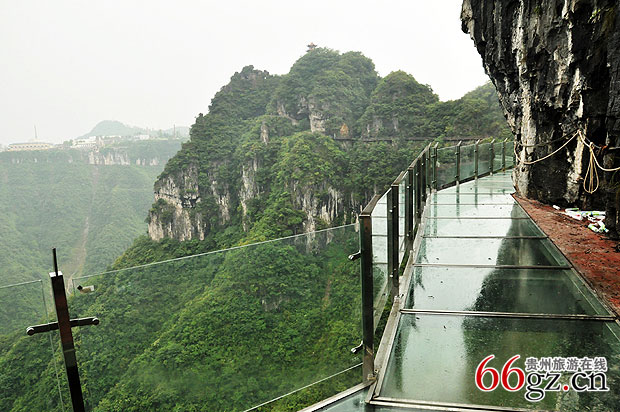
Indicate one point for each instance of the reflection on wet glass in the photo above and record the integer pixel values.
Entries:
(469, 210)
(434, 358)
(522, 252)
(481, 227)
(502, 290)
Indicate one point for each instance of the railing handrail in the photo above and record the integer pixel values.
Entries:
(421, 181)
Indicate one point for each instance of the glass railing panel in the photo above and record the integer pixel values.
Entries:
(435, 357)
(510, 147)
(468, 162)
(497, 160)
(402, 188)
(23, 357)
(223, 331)
(521, 252)
(554, 291)
(380, 253)
(484, 158)
(481, 227)
(446, 165)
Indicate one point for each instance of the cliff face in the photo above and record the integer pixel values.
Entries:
(556, 67)
(145, 153)
(263, 163)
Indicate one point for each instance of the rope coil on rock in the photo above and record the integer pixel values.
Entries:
(541, 144)
(591, 181)
(525, 162)
(591, 177)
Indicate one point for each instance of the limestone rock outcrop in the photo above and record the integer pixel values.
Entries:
(556, 67)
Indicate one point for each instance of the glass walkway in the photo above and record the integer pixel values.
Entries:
(485, 280)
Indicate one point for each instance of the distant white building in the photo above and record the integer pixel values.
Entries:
(21, 147)
(86, 143)
(143, 136)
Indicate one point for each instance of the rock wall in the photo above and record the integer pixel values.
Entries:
(114, 157)
(556, 67)
(176, 197)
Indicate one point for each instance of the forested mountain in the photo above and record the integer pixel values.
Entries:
(55, 198)
(274, 156)
(294, 146)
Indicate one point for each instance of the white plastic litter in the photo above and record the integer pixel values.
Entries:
(594, 216)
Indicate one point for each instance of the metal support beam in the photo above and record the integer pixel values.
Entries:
(476, 156)
(392, 243)
(491, 163)
(368, 329)
(457, 265)
(435, 166)
(457, 153)
(409, 203)
(504, 155)
(515, 315)
(417, 188)
(423, 163)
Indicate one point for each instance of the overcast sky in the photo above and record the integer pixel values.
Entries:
(66, 65)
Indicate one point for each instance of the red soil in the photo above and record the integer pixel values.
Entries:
(592, 254)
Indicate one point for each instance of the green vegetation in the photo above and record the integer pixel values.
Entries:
(90, 213)
(275, 156)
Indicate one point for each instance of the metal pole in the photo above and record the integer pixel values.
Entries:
(368, 329)
(409, 201)
(66, 337)
(418, 194)
(491, 165)
(435, 166)
(393, 244)
(423, 175)
(476, 158)
(457, 177)
(504, 155)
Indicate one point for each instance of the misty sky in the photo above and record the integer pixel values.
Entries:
(66, 65)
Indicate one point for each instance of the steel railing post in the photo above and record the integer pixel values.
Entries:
(435, 166)
(393, 244)
(504, 155)
(457, 177)
(418, 193)
(476, 157)
(492, 149)
(409, 202)
(368, 329)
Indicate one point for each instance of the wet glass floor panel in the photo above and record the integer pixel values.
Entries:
(481, 227)
(482, 210)
(521, 252)
(501, 290)
(434, 358)
(471, 197)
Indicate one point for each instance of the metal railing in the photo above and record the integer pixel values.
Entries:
(433, 169)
